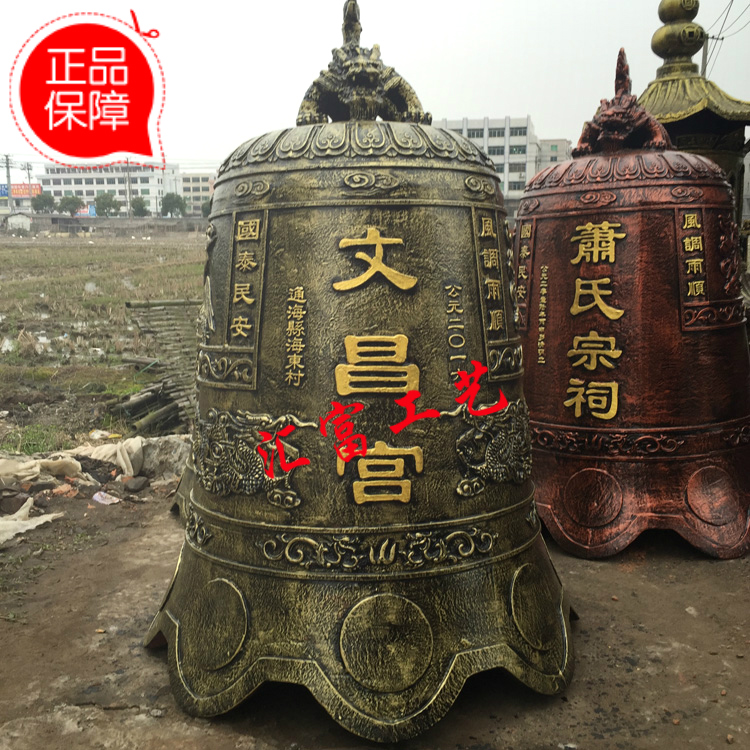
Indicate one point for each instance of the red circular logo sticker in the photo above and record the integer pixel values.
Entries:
(88, 88)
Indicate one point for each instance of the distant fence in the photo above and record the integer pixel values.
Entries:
(116, 227)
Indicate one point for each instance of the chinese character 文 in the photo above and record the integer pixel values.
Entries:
(586, 288)
(593, 350)
(469, 384)
(600, 398)
(376, 364)
(376, 263)
(597, 242)
(278, 449)
(381, 473)
(407, 402)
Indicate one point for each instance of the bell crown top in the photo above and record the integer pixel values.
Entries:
(358, 86)
(621, 123)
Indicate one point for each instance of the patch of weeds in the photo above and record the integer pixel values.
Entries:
(35, 438)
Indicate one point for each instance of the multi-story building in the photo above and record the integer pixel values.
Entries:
(126, 181)
(552, 150)
(197, 188)
(512, 144)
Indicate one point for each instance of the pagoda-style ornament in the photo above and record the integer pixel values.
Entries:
(635, 348)
(699, 117)
(359, 509)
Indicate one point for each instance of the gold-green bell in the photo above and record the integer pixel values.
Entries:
(360, 513)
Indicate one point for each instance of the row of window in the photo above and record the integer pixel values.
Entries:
(493, 132)
(114, 168)
(195, 179)
(500, 150)
(98, 181)
(196, 189)
(81, 193)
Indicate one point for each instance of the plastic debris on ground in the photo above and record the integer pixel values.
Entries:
(20, 522)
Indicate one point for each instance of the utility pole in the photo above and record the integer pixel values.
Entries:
(704, 62)
(130, 190)
(7, 177)
(27, 167)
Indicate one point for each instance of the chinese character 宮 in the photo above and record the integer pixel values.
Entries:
(381, 473)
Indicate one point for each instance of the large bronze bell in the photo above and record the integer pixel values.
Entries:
(638, 375)
(361, 518)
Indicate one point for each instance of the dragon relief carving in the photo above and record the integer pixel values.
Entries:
(621, 123)
(227, 460)
(496, 447)
(357, 86)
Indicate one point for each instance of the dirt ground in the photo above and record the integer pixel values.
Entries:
(662, 645)
(662, 651)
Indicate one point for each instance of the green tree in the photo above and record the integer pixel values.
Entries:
(173, 204)
(43, 203)
(139, 206)
(107, 205)
(206, 209)
(70, 204)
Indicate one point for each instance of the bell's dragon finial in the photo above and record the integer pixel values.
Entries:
(357, 86)
(621, 123)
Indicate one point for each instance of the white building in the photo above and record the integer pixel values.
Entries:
(513, 146)
(197, 188)
(126, 181)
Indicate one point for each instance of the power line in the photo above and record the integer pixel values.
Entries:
(728, 36)
(747, 7)
(718, 36)
(729, 5)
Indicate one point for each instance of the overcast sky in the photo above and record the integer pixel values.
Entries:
(232, 76)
